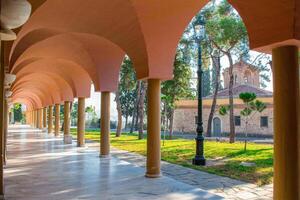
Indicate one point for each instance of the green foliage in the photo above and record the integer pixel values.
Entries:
(74, 113)
(251, 104)
(179, 87)
(127, 88)
(206, 83)
(18, 115)
(258, 106)
(224, 110)
(92, 120)
(225, 28)
(247, 96)
(246, 112)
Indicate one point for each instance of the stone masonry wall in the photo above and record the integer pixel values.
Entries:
(184, 121)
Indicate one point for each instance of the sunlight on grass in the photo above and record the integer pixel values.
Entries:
(181, 152)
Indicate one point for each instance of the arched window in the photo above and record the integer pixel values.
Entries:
(247, 77)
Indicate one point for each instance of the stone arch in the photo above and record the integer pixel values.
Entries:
(76, 77)
(29, 95)
(217, 127)
(148, 40)
(100, 58)
(53, 84)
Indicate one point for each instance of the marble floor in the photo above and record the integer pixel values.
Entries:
(41, 167)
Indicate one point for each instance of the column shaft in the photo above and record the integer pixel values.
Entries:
(35, 119)
(31, 118)
(5, 130)
(2, 72)
(153, 129)
(67, 135)
(50, 119)
(44, 117)
(40, 113)
(286, 123)
(105, 124)
(57, 118)
(81, 122)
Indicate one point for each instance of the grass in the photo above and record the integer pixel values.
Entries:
(181, 151)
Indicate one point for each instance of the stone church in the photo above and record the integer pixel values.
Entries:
(246, 79)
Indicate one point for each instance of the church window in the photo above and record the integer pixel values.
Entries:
(237, 120)
(264, 121)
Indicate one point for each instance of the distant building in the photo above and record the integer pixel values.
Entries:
(246, 79)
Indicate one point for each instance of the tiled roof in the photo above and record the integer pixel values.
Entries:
(237, 89)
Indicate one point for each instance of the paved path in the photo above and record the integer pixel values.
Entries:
(222, 186)
(49, 147)
(41, 167)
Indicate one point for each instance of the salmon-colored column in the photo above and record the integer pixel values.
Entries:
(81, 122)
(35, 119)
(153, 129)
(40, 118)
(286, 123)
(5, 131)
(105, 124)
(44, 117)
(2, 75)
(32, 113)
(67, 135)
(28, 120)
(50, 119)
(57, 118)
(32, 118)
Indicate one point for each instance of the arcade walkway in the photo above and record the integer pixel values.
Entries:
(42, 167)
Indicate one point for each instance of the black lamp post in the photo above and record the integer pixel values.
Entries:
(199, 159)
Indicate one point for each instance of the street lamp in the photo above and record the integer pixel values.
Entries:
(199, 159)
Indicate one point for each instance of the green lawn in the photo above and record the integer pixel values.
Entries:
(181, 151)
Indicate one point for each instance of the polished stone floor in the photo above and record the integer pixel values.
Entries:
(41, 167)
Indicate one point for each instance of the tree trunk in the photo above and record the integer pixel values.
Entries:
(135, 111)
(141, 110)
(126, 121)
(137, 105)
(231, 112)
(132, 122)
(119, 126)
(217, 65)
(171, 124)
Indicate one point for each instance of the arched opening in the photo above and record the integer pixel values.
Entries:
(217, 127)
(248, 77)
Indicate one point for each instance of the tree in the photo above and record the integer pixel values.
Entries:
(93, 121)
(177, 88)
(119, 110)
(74, 112)
(18, 114)
(141, 110)
(228, 34)
(126, 91)
(252, 106)
(206, 88)
(217, 66)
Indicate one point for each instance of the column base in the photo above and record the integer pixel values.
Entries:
(80, 145)
(104, 156)
(68, 139)
(153, 175)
